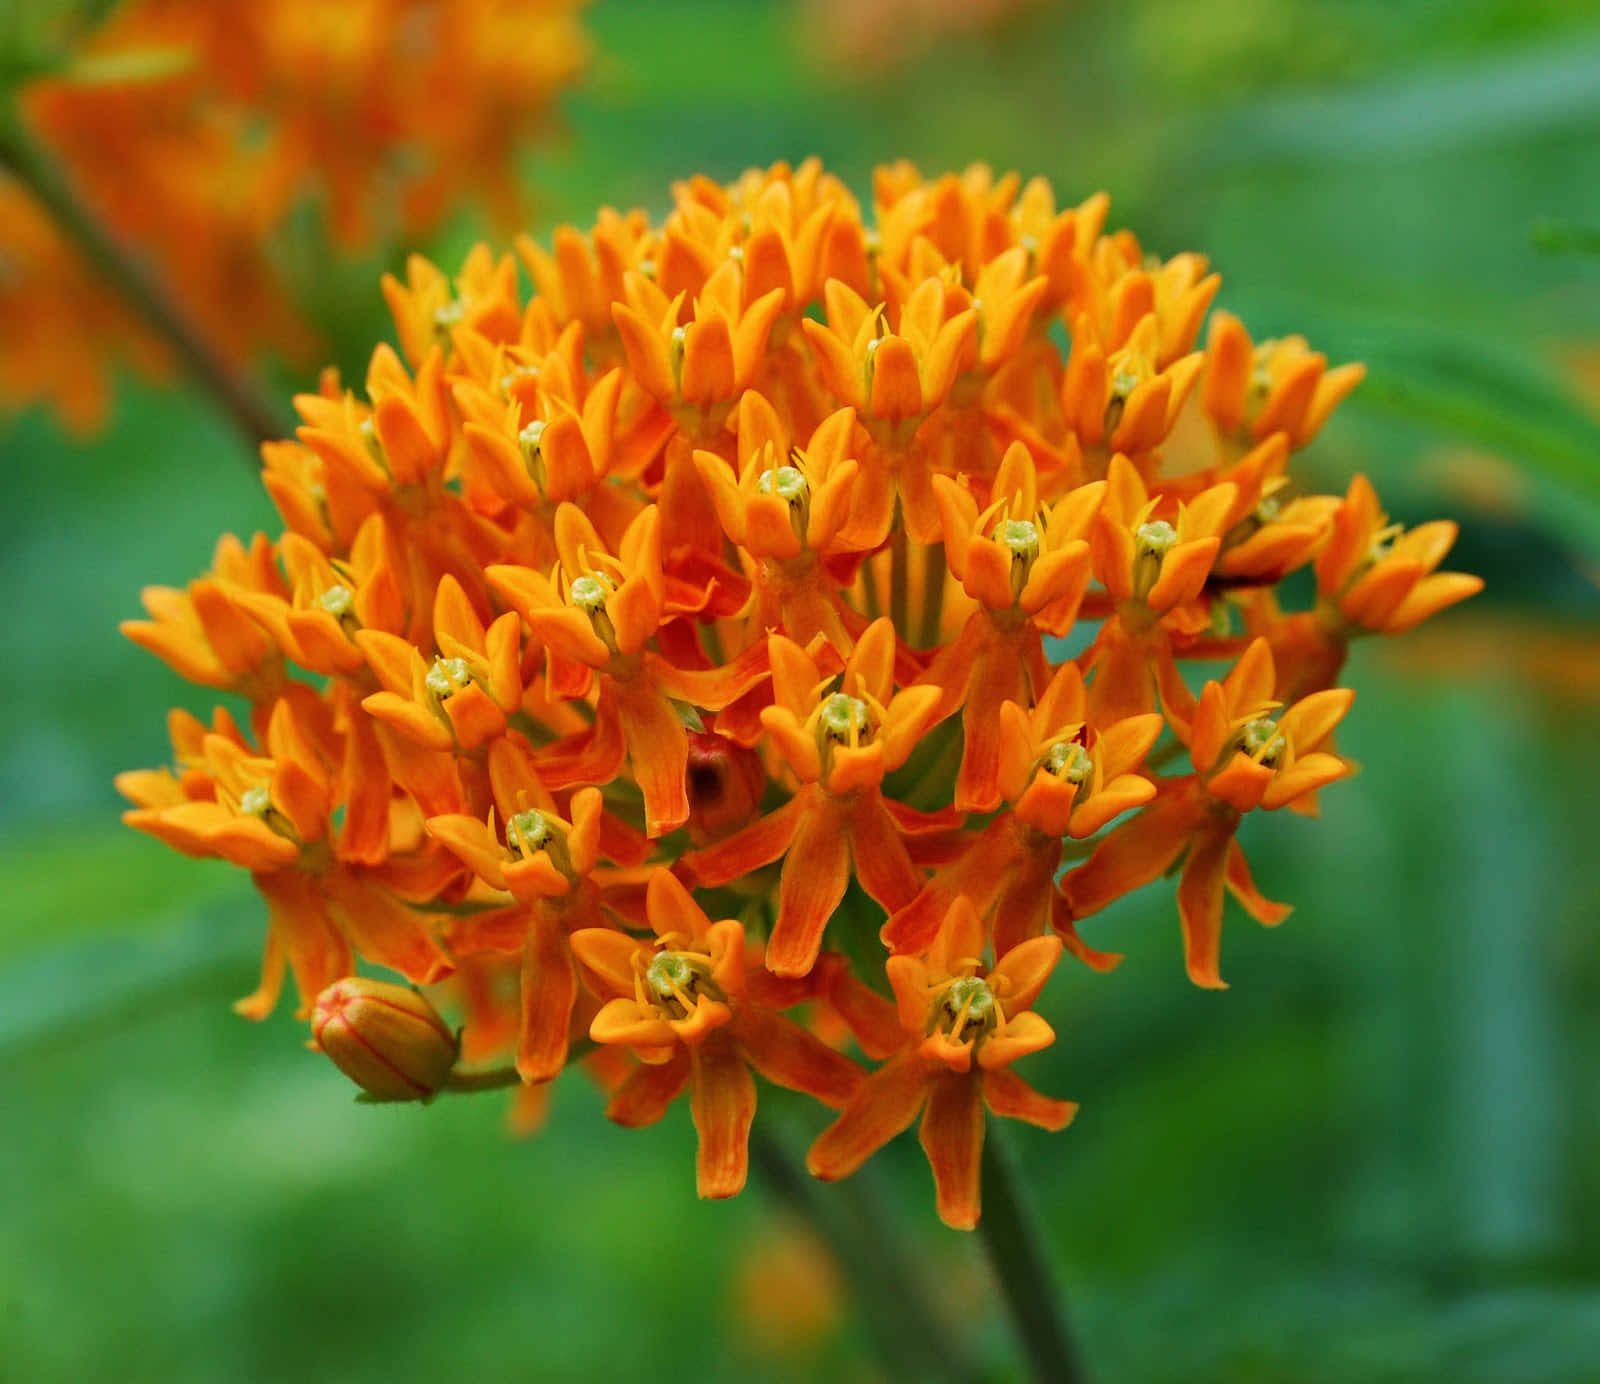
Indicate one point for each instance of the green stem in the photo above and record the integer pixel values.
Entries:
(1011, 1233)
(498, 1078)
(899, 577)
(124, 272)
(495, 1079)
(891, 1296)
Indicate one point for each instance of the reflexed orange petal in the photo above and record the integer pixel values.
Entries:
(722, 1099)
(1200, 889)
(789, 1056)
(952, 1137)
(650, 1088)
(886, 1103)
(549, 986)
(1008, 1095)
(816, 872)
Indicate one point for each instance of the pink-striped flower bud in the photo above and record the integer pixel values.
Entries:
(386, 1038)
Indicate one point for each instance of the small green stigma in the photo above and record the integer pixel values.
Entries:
(369, 439)
(1070, 761)
(449, 315)
(843, 718)
(448, 676)
(530, 438)
(968, 1003)
(528, 832)
(1021, 537)
(668, 974)
(677, 344)
(1261, 741)
(1156, 537)
(589, 593)
(786, 482)
(255, 802)
(337, 601)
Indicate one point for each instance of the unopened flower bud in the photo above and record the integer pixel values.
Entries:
(725, 785)
(386, 1038)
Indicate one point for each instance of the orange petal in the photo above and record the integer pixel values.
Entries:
(886, 1103)
(952, 1137)
(1025, 969)
(1243, 887)
(722, 1099)
(1007, 1094)
(1024, 1034)
(1200, 890)
(790, 1056)
(650, 1088)
(815, 875)
(549, 988)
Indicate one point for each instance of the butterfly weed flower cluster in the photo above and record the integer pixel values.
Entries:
(664, 668)
(202, 132)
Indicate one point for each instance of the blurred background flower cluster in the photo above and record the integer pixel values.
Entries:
(1371, 1159)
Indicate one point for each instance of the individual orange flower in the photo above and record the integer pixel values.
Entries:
(687, 1006)
(787, 509)
(1253, 390)
(838, 744)
(329, 888)
(1244, 757)
(1027, 566)
(964, 1025)
(1155, 571)
(1063, 779)
(599, 612)
(548, 864)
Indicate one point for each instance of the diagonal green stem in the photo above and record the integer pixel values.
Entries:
(1011, 1233)
(891, 1296)
(123, 271)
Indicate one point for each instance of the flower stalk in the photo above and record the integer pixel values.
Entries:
(125, 273)
(1014, 1238)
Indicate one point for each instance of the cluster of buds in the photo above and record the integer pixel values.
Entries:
(670, 668)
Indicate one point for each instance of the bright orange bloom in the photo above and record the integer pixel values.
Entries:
(1027, 566)
(692, 1007)
(1244, 757)
(1063, 779)
(839, 744)
(964, 1025)
(197, 130)
(653, 597)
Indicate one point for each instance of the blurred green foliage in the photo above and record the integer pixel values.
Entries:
(1374, 1159)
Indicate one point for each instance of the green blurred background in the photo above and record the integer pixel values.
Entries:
(1374, 1158)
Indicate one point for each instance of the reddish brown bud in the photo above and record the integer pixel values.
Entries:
(725, 785)
(386, 1038)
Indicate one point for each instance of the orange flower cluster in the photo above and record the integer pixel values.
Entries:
(195, 128)
(676, 655)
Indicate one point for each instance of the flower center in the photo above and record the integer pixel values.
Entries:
(844, 719)
(337, 601)
(447, 677)
(1070, 761)
(589, 593)
(966, 1009)
(786, 482)
(1261, 740)
(1156, 538)
(528, 832)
